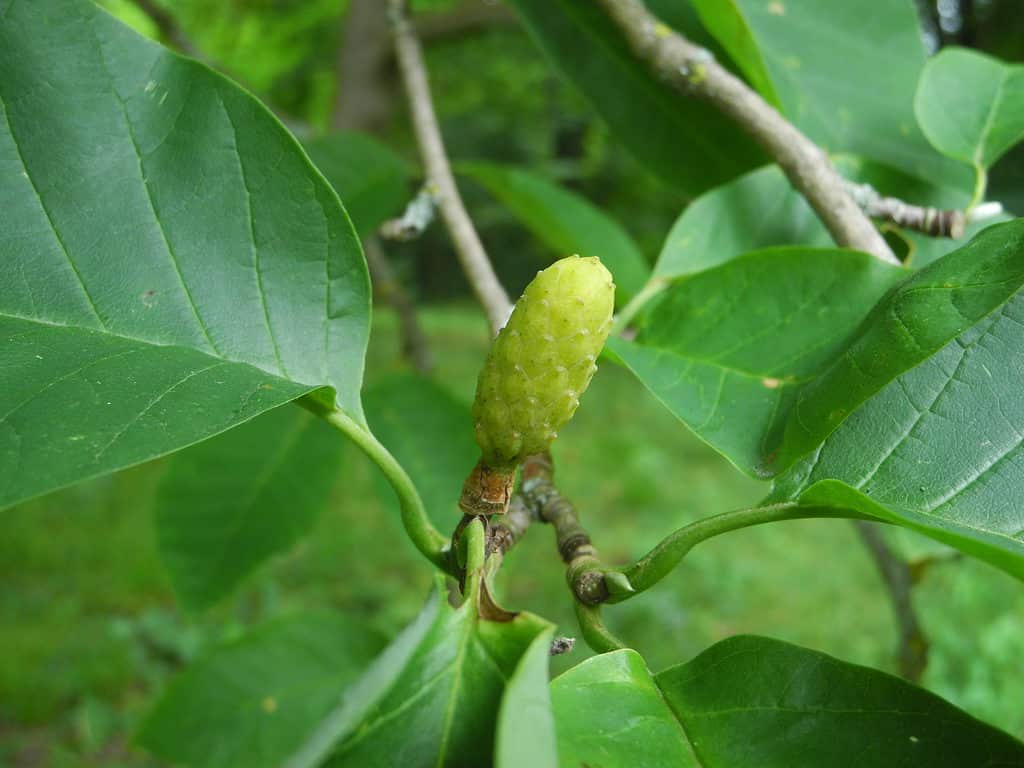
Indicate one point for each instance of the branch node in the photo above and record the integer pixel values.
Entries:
(487, 491)
(417, 216)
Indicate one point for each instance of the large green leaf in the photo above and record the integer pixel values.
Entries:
(249, 703)
(758, 210)
(432, 698)
(686, 142)
(922, 316)
(728, 349)
(566, 222)
(971, 106)
(752, 701)
(526, 725)
(609, 713)
(939, 449)
(226, 505)
(173, 265)
(799, 52)
(371, 179)
(431, 434)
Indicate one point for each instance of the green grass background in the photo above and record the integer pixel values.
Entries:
(90, 631)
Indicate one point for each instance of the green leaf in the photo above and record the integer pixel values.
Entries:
(431, 434)
(609, 713)
(937, 450)
(432, 698)
(526, 725)
(922, 316)
(758, 210)
(369, 177)
(565, 222)
(249, 703)
(799, 52)
(971, 106)
(727, 350)
(173, 264)
(228, 504)
(686, 142)
(752, 701)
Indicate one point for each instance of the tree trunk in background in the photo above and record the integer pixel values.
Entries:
(365, 97)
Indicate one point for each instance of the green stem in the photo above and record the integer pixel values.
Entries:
(418, 527)
(659, 562)
(472, 544)
(653, 287)
(980, 185)
(597, 635)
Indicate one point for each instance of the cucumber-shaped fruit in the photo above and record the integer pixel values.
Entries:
(537, 368)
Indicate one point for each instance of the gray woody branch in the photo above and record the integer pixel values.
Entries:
(692, 70)
(471, 253)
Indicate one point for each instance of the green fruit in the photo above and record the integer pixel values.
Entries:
(542, 360)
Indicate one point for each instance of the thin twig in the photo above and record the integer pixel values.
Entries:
(934, 222)
(912, 648)
(584, 570)
(693, 70)
(390, 291)
(470, 250)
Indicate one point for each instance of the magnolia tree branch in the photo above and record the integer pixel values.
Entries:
(584, 570)
(468, 247)
(693, 71)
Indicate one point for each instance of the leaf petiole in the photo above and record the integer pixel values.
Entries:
(427, 539)
(659, 562)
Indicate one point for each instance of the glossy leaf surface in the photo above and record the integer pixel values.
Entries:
(526, 725)
(687, 143)
(226, 505)
(971, 106)
(755, 701)
(173, 264)
(728, 349)
(609, 712)
(432, 698)
(939, 449)
(922, 316)
(566, 222)
(249, 703)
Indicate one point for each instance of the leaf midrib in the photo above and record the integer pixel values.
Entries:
(150, 343)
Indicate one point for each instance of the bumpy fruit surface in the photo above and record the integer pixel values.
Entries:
(543, 360)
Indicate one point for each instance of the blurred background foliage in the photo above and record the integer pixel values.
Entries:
(89, 628)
